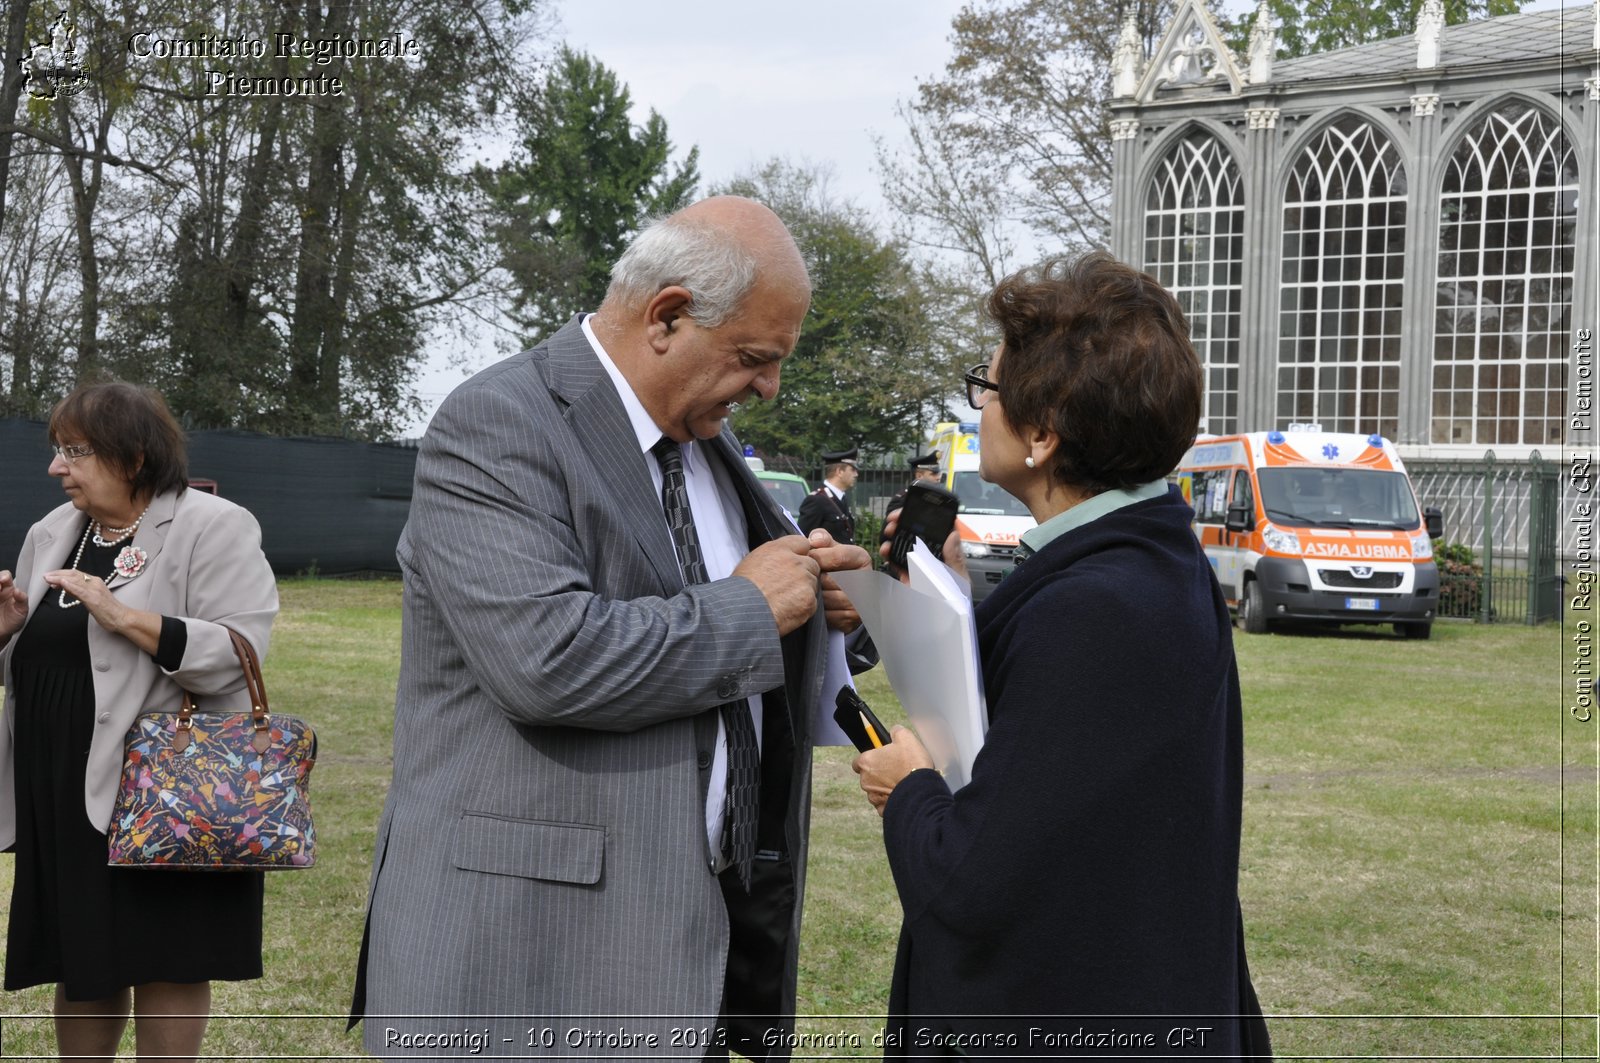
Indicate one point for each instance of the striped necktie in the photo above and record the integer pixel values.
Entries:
(744, 760)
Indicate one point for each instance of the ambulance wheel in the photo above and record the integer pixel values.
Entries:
(1414, 631)
(1252, 610)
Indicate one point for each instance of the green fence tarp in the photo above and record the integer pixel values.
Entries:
(331, 505)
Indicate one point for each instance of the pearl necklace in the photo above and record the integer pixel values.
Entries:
(75, 559)
(116, 534)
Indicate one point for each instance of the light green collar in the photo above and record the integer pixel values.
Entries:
(1037, 538)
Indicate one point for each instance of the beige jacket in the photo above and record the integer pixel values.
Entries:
(206, 568)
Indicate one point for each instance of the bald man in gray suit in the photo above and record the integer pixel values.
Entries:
(555, 871)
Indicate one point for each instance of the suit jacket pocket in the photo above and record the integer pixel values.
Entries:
(555, 852)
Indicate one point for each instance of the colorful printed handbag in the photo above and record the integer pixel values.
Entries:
(216, 791)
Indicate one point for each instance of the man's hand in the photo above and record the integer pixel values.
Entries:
(832, 557)
(786, 574)
(951, 554)
(882, 769)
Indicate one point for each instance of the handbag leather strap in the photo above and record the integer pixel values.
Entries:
(255, 686)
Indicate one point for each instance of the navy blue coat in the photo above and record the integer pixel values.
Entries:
(1087, 878)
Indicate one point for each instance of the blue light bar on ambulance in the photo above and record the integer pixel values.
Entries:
(1375, 440)
(1274, 437)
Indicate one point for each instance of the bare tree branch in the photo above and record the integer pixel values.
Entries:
(62, 146)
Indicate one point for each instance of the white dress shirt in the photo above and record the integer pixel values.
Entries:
(719, 522)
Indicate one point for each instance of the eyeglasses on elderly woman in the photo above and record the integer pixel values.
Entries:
(979, 385)
(71, 452)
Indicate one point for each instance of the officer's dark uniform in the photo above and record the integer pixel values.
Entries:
(832, 515)
(822, 510)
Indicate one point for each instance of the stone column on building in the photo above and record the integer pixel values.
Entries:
(1263, 264)
(1128, 207)
(1422, 238)
(1421, 154)
(1127, 62)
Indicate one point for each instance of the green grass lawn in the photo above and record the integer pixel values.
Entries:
(1419, 861)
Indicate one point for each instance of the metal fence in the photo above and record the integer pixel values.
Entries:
(1505, 536)
(874, 487)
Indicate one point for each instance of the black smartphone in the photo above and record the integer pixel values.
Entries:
(854, 717)
(929, 514)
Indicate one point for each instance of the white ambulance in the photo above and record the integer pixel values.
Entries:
(1313, 525)
(990, 520)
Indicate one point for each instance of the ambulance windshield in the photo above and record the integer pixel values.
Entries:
(1336, 497)
(986, 499)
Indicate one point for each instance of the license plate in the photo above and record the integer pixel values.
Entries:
(1361, 603)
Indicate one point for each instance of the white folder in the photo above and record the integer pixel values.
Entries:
(929, 647)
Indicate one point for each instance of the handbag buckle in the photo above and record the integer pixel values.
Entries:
(261, 741)
(180, 741)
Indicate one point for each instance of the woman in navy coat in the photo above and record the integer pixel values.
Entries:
(1080, 894)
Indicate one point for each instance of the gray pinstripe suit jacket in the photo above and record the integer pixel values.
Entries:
(542, 852)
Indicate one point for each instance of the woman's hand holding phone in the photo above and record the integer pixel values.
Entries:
(951, 554)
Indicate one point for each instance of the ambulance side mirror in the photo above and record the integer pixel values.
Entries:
(1240, 518)
(1433, 520)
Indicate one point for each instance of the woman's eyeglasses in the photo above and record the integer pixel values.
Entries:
(72, 452)
(979, 385)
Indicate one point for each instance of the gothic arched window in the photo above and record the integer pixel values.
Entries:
(1344, 232)
(1194, 245)
(1508, 215)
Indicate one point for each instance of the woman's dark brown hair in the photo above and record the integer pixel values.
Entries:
(130, 429)
(1099, 353)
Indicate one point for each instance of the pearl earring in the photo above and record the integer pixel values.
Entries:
(1028, 461)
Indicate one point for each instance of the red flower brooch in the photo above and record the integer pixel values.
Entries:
(130, 562)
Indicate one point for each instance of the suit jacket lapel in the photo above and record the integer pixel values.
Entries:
(594, 410)
(766, 522)
(764, 516)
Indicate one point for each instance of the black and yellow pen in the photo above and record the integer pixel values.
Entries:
(872, 733)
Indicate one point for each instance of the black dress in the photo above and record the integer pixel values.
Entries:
(91, 928)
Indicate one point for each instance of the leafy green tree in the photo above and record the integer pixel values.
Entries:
(583, 178)
(387, 222)
(1306, 27)
(864, 371)
(272, 260)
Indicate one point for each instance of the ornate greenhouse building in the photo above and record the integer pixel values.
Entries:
(1399, 237)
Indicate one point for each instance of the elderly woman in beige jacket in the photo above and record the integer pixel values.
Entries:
(122, 599)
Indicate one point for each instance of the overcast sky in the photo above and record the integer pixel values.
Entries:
(747, 81)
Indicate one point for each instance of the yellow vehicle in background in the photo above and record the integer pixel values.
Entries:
(990, 520)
